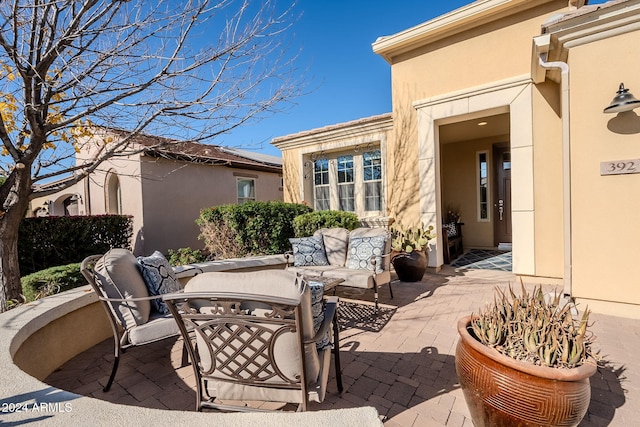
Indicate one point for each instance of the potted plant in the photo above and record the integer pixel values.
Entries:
(525, 361)
(409, 256)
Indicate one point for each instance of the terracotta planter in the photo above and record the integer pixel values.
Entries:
(501, 391)
(410, 266)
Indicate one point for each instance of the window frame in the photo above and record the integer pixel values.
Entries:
(487, 185)
(242, 200)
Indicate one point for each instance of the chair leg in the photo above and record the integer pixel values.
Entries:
(336, 351)
(116, 360)
(390, 290)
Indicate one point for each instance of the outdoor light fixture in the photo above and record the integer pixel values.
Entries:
(76, 198)
(623, 101)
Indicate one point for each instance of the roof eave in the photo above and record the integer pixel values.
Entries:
(454, 22)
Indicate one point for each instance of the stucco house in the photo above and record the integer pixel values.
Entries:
(497, 110)
(164, 187)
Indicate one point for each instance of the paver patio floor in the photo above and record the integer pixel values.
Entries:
(402, 362)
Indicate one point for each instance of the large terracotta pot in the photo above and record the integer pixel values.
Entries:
(410, 266)
(501, 391)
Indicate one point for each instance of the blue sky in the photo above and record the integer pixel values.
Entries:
(347, 80)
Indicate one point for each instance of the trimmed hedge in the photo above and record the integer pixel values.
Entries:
(59, 240)
(307, 224)
(52, 281)
(252, 228)
(184, 256)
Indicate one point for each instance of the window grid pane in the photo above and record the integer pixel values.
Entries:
(246, 190)
(483, 195)
(372, 176)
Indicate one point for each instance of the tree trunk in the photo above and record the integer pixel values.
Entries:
(13, 206)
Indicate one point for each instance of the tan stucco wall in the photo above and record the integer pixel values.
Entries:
(494, 52)
(460, 186)
(62, 339)
(606, 230)
(173, 193)
(547, 163)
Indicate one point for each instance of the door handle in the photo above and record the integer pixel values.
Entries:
(501, 208)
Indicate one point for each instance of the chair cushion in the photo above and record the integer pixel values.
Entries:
(362, 249)
(335, 244)
(308, 251)
(314, 270)
(317, 309)
(159, 277)
(118, 274)
(156, 329)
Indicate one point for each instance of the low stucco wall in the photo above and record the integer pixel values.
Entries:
(38, 337)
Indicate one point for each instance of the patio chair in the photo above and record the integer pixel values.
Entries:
(255, 340)
(117, 281)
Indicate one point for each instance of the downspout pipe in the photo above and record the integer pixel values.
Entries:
(566, 168)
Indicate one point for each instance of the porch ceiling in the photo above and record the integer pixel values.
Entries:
(469, 129)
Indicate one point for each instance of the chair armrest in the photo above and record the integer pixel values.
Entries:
(331, 306)
(149, 298)
(373, 261)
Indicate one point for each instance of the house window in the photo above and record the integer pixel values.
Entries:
(346, 201)
(321, 185)
(246, 190)
(483, 187)
(349, 181)
(372, 176)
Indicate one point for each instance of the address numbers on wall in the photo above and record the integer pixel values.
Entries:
(620, 167)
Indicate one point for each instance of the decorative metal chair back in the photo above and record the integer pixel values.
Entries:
(244, 347)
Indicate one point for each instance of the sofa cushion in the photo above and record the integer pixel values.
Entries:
(159, 277)
(335, 241)
(313, 270)
(118, 274)
(362, 249)
(308, 251)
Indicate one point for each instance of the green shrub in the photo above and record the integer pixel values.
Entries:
(253, 228)
(185, 256)
(52, 281)
(59, 240)
(307, 224)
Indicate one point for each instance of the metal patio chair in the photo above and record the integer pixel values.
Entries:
(255, 339)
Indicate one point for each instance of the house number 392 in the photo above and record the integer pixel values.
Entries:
(620, 167)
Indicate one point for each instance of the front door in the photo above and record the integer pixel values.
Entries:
(502, 195)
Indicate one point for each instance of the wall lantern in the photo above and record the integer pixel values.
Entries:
(623, 101)
(76, 198)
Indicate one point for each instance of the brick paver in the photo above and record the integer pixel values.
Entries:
(404, 368)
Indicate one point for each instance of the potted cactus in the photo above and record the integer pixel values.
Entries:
(525, 360)
(409, 257)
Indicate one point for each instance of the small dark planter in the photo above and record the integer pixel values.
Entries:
(501, 391)
(410, 267)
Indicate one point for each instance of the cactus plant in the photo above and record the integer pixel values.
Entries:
(409, 239)
(529, 327)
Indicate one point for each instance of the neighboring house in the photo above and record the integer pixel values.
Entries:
(164, 188)
(498, 112)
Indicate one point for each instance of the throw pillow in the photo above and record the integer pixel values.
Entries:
(362, 249)
(159, 277)
(317, 309)
(452, 230)
(308, 251)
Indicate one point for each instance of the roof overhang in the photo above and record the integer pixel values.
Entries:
(465, 18)
(598, 22)
(351, 130)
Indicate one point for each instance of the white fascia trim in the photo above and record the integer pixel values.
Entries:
(450, 23)
(473, 91)
(351, 130)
